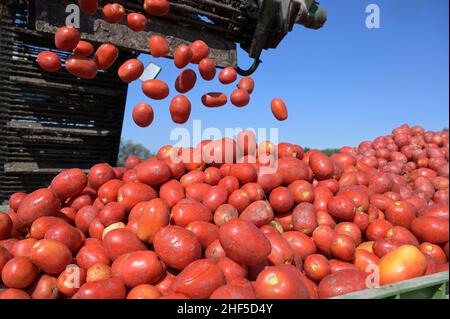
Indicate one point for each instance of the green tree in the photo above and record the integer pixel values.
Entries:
(129, 148)
(445, 129)
(327, 151)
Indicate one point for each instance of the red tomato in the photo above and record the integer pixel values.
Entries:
(228, 75)
(144, 292)
(19, 273)
(99, 174)
(6, 226)
(143, 115)
(247, 84)
(106, 55)
(42, 202)
(155, 89)
(279, 283)
(88, 7)
(49, 61)
(67, 38)
(136, 21)
(137, 268)
(240, 98)
(244, 242)
(69, 183)
(185, 81)
(316, 267)
(214, 99)
(182, 56)
(131, 70)
(279, 110)
(51, 256)
(207, 69)
(158, 46)
(81, 66)
(177, 246)
(84, 48)
(157, 7)
(199, 279)
(113, 12)
(200, 51)
(180, 109)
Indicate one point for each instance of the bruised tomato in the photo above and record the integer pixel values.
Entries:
(45, 288)
(304, 218)
(199, 279)
(259, 213)
(214, 99)
(136, 21)
(49, 61)
(225, 213)
(244, 242)
(177, 246)
(185, 81)
(67, 38)
(342, 282)
(130, 70)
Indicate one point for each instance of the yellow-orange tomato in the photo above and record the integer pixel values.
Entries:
(368, 245)
(404, 262)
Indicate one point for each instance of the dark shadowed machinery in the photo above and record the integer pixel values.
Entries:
(49, 122)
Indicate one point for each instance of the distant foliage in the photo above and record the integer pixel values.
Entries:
(445, 129)
(129, 148)
(327, 151)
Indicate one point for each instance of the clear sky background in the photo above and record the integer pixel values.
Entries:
(343, 83)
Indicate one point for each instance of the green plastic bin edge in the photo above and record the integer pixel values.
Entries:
(435, 286)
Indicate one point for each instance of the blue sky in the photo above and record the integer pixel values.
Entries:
(342, 84)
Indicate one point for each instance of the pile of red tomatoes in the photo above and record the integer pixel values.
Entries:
(172, 227)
